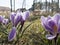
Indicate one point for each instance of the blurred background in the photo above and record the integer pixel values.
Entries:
(36, 7)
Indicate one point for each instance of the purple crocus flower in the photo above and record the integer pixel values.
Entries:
(52, 25)
(19, 17)
(12, 16)
(1, 18)
(15, 18)
(25, 15)
(5, 21)
(12, 34)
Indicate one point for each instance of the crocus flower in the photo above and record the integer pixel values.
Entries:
(12, 34)
(52, 25)
(5, 21)
(19, 17)
(1, 18)
(25, 16)
(16, 18)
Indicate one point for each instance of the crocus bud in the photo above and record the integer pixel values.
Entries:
(17, 19)
(25, 15)
(12, 16)
(12, 34)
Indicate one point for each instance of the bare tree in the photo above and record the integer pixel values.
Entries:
(46, 5)
(11, 4)
(52, 5)
(14, 5)
(58, 4)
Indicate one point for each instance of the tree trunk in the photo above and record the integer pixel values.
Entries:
(11, 4)
(46, 5)
(52, 6)
(58, 3)
(14, 5)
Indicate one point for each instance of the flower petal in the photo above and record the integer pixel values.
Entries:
(25, 15)
(44, 22)
(53, 26)
(1, 18)
(50, 37)
(59, 26)
(12, 34)
(56, 18)
(12, 16)
(17, 19)
(43, 19)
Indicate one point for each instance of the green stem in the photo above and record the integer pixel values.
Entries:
(55, 40)
(49, 42)
(19, 33)
(2, 43)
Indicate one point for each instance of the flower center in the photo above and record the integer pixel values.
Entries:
(55, 29)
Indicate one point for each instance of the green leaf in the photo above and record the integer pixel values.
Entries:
(25, 29)
(4, 32)
(58, 41)
(3, 29)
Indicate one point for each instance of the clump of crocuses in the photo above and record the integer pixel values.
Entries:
(52, 25)
(3, 20)
(17, 18)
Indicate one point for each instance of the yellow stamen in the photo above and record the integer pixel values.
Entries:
(55, 29)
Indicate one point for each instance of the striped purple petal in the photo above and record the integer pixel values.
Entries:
(12, 34)
(56, 17)
(53, 25)
(17, 19)
(44, 22)
(25, 15)
(12, 16)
